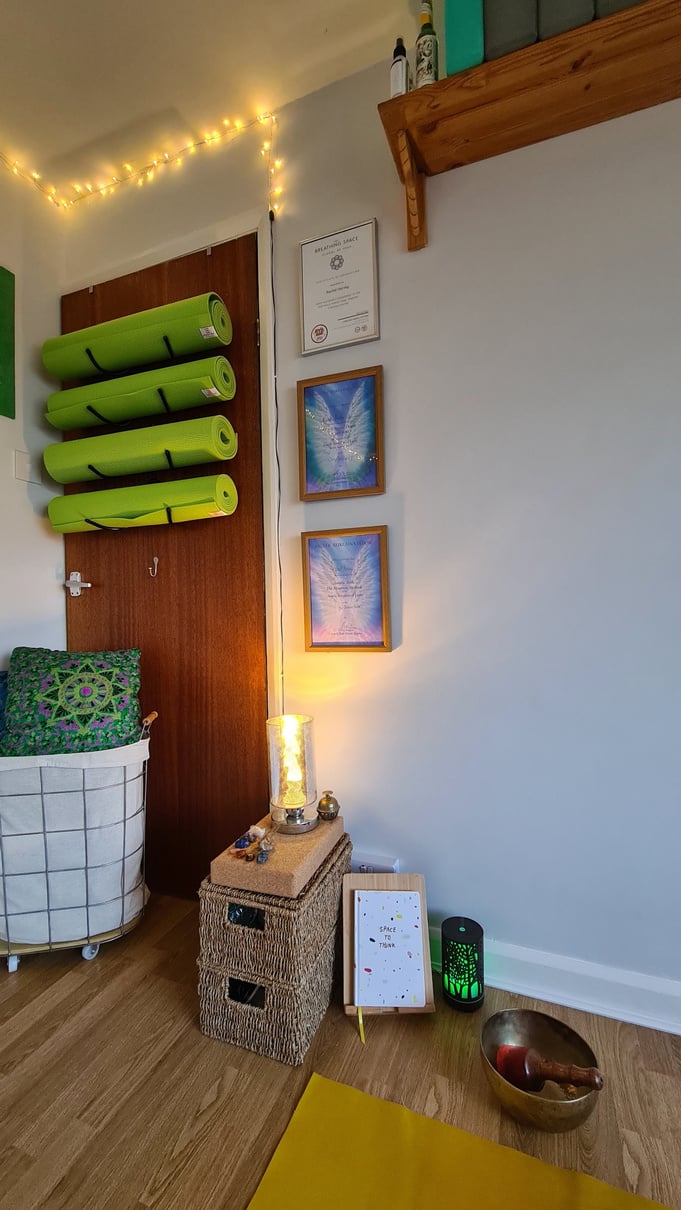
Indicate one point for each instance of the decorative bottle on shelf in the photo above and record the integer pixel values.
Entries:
(399, 70)
(425, 69)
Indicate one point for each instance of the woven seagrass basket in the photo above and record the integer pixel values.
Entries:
(282, 1024)
(266, 972)
(284, 936)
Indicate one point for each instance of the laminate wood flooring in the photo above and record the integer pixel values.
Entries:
(112, 1099)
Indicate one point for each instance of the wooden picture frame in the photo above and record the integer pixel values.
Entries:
(382, 882)
(340, 435)
(346, 593)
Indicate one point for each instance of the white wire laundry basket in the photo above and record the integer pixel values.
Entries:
(72, 848)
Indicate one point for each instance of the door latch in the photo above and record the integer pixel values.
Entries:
(74, 584)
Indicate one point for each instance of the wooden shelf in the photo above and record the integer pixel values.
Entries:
(610, 67)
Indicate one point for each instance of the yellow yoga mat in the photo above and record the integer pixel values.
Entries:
(147, 504)
(185, 443)
(374, 1155)
(151, 393)
(158, 334)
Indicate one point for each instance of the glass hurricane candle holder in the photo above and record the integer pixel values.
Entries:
(293, 787)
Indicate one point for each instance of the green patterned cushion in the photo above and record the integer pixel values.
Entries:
(70, 701)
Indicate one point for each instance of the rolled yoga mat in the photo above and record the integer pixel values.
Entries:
(160, 334)
(148, 504)
(150, 393)
(186, 443)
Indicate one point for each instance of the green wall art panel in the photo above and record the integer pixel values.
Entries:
(6, 343)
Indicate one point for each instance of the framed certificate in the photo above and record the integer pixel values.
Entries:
(339, 288)
(345, 577)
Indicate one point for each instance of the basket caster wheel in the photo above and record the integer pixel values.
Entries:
(89, 952)
(12, 962)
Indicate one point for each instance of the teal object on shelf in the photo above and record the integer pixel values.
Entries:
(7, 395)
(558, 16)
(464, 35)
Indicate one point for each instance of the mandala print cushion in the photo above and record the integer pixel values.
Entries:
(70, 701)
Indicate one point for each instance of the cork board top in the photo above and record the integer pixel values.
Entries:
(291, 865)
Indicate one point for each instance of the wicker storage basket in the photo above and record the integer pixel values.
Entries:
(283, 1026)
(266, 985)
(287, 934)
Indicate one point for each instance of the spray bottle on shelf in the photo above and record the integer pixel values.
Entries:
(400, 81)
(426, 66)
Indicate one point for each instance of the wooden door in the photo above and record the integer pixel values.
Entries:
(200, 622)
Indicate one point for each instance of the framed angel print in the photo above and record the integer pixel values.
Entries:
(340, 435)
(345, 578)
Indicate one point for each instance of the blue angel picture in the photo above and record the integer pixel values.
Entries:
(341, 435)
(346, 584)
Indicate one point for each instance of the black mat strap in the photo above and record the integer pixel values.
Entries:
(97, 525)
(116, 424)
(94, 361)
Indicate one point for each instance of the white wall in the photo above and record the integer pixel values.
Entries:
(31, 596)
(519, 745)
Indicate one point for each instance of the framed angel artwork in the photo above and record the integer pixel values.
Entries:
(340, 435)
(345, 578)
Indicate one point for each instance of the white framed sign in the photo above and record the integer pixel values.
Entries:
(339, 288)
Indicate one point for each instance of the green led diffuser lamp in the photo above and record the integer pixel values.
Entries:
(463, 967)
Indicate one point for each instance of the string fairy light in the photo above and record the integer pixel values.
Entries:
(274, 165)
(145, 174)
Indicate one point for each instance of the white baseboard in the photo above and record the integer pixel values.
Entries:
(608, 991)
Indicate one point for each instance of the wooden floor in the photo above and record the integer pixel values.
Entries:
(110, 1097)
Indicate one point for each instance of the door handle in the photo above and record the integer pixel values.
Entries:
(74, 584)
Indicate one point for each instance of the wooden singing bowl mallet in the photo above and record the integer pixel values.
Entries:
(526, 1069)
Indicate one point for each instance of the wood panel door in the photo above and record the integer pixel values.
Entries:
(200, 621)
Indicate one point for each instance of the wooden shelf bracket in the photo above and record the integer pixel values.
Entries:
(415, 194)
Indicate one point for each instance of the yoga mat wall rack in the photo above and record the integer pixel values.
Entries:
(157, 335)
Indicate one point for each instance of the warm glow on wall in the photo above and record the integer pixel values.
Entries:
(145, 174)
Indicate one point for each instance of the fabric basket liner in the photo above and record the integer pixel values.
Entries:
(185, 443)
(159, 334)
(146, 504)
(150, 393)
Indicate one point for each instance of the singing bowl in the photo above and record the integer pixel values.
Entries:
(556, 1107)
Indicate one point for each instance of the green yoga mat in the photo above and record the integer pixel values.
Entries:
(148, 504)
(150, 393)
(160, 334)
(186, 443)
